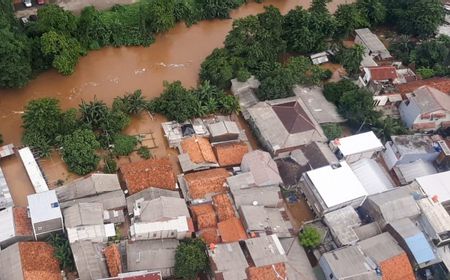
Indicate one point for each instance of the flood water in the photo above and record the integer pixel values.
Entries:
(111, 72)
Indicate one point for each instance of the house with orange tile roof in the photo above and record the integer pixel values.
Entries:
(199, 187)
(205, 218)
(439, 83)
(141, 175)
(230, 154)
(196, 153)
(231, 230)
(113, 260)
(388, 256)
(15, 226)
(224, 207)
(268, 272)
(29, 261)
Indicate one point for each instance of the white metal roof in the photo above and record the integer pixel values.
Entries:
(33, 170)
(436, 185)
(359, 143)
(44, 206)
(336, 184)
(371, 176)
(435, 214)
(94, 233)
(180, 224)
(7, 230)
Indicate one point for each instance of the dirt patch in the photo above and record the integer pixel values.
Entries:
(299, 213)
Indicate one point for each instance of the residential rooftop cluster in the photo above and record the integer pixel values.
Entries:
(380, 208)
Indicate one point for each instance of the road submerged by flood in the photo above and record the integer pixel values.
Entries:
(111, 72)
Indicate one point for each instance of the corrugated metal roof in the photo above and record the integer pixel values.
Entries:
(371, 176)
(419, 247)
(89, 260)
(33, 170)
(7, 223)
(263, 168)
(435, 214)
(149, 194)
(408, 172)
(436, 185)
(83, 214)
(229, 260)
(95, 184)
(298, 266)
(266, 250)
(372, 42)
(5, 196)
(110, 200)
(262, 219)
(161, 208)
(381, 247)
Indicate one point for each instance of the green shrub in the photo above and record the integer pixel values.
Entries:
(426, 73)
(144, 152)
(79, 151)
(110, 165)
(190, 259)
(310, 238)
(124, 144)
(332, 131)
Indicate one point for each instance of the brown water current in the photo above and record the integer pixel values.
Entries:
(110, 72)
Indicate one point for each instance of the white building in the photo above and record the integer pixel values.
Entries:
(355, 147)
(332, 187)
(45, 213)
(33, 170)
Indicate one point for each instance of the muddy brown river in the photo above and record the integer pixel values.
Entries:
(110, 72)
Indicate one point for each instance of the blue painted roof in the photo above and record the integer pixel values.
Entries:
(420, 248)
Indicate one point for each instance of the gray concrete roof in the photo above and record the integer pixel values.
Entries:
(298, 265)
(89, 260)
(162, 208)
(341, 223)
(381, 247)
(408, 172)
(229, 261)
(322, 110)
(152, 255)
(5, 196)
(367, 231)
(372, 176)
(372, 42)
(10, 263)
(266, 250)
(245, 92)
(263, 168)
(261, 219)
(349, 263)
(149, 194)
(110, 200)
(83, 214)
(429, 99)
(89, 186)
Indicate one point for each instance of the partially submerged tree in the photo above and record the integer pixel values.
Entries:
(79, 151)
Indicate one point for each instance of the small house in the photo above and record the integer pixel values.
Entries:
(259, 220)
(372, 44)
(348, 263)
(15, 226)
(379, 75)
(230, 154)
(163, 217)
(389, 257)
(196, 154)
(265, 250)
(341, 223)
(29, 260)
(355, 147)
(426, 109)
(435, 221)
(147, 195)
(33, 170)
(45, 213)
(390, 206)
(319, 58)
(95, 188)
(223, 131)
(263, 168)
(284, 125)
(228, 261)
(144, 174)
(140, 256)
(89, 259)
(413, 241)
(332, 187)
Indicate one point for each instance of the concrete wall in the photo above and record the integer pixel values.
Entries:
(408, 113)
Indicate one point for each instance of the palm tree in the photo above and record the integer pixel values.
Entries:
(62, 251)
(94, 113)
(132, 103)
(386, 127)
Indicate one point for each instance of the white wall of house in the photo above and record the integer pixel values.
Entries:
(392, 159)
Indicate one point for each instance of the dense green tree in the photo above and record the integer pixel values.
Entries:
(211, 9)
(62, 251)
(7, 12)
(158, 15)
(52, 17)
(144, 152)
(124, 144)
(190, 259)
(306, 31)
(357, 107)
(187, 11)
(433, 54)
(94, 113)
(68, 122)
(79, 151)
(385, 127)
(92, 31)
(401, 48)
(310, 237)
(332, 131)
(373, 10)
(130, 103)
(333, 91)
(351, 58)
(349, 18)
(65, 51)
(416, 17)
(15, 56)
(217, 69)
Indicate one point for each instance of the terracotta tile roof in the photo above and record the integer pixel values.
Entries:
(22, 222)
(113, 260)
(439, 83)
(267, 272)
(209, 235)
(204, 215)
(199, 149)
(38, 261)
(381, 73)
(148, 173)
(397, 268)
(206, 182)
(230, 154)
(232, 230)
(224, 207)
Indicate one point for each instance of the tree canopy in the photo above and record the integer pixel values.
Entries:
(79, 151)
(310, 238)
(190, 259)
